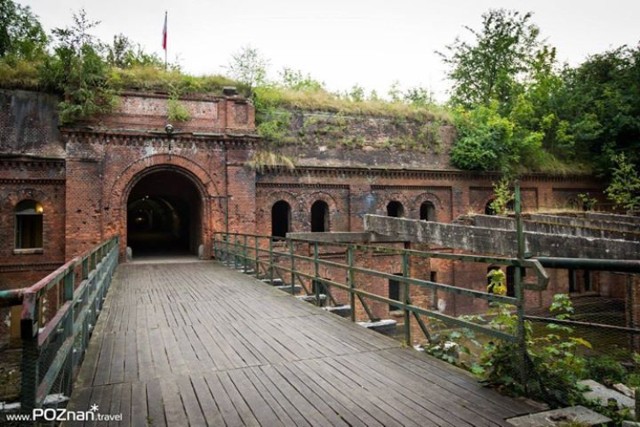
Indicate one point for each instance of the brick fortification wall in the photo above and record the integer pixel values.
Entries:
(83, 176)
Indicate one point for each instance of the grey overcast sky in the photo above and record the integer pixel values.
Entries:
(371, 43)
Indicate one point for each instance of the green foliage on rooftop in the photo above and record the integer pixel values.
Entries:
(514, 107)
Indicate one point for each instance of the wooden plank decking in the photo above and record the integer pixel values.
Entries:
(197, 344)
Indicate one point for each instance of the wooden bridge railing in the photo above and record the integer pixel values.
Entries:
(53, 345)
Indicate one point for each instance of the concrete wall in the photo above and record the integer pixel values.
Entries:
(481, 240)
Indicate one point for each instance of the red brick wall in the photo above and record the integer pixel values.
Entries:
(42, 181)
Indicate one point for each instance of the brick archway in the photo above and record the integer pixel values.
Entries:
(125, 182)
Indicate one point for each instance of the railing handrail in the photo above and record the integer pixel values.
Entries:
(58, 336)
(236, 245)
(12, 297)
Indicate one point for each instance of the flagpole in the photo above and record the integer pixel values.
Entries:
(164, 40)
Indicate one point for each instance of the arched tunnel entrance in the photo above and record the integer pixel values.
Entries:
(164, 215)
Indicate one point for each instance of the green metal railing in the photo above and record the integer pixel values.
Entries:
(294, 261)
(53, 346)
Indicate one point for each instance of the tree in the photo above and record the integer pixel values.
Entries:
(496, 63)
(123, 53)
(248, 66)
(488, 141)
(296, 80)
(624, 190)
(419, 96)
(78, 71)
(601, 101)
(21, 35)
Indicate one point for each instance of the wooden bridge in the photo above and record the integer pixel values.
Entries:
(198, 344)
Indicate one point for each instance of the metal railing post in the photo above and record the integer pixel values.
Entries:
(30, 368)
(406, 299)
(69, 285)
(226, 257)
(293, 268)
(271, 260)
(235, 251)
(316, 273)
(351, 282)
(256, 265)
(245, 254)
(215, 245)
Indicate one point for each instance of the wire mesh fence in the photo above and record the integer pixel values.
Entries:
(57, 317)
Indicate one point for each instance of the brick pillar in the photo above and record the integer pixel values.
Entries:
(241, 188)
(361, 202)
(83, 228)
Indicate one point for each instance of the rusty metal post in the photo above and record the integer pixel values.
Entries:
(406, 299)
(271, 260)
(235, 251)
(351, 282)
(69, 285)
(293, 267)
(245, 254)
(315, 273)
(30, 352)
(256, 265)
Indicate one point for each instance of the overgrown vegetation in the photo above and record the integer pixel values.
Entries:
(557, 358)
(515, 108)
(503, 196)
(85, 71)
(624, 189)
(264, 160)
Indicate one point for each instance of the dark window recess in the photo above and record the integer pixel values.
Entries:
(394, 292)
(488, 209)
(395, 209)
(573, 283)
(433, 277)
(427, 211)
(29, 228)
(587, 281)
(280, 219)
(320, 216)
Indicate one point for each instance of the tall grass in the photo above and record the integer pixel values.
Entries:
(322, 100)
(19, 74)
(151, 78)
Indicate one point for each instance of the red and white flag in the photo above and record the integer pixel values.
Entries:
(164, 33)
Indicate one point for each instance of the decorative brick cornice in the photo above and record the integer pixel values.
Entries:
(410, 187)
(276, 185)
(156, 138)
(30, 163)
(26, 181)
(419, 174)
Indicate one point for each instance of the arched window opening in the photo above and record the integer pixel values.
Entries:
(395, 209)
(427, 211)
(280, 219)
(320, 216)
(29, 225)
(488, 208)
